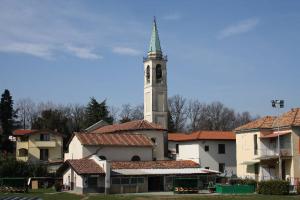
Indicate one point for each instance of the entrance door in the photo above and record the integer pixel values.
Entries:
(283, 169)
(155, 183)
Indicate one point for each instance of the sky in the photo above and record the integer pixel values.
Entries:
(241, 53)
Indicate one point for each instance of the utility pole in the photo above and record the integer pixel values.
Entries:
(278, 104)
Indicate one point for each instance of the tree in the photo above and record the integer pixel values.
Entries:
(137, 112)
(129, 113)
(171, 127)
(7, 117)
(177, 108)
(216, 116)
(52, 119)
(194, 111)
(243, 118)
(77, 117)
(125, 114)
(26, 112)
(97, 111)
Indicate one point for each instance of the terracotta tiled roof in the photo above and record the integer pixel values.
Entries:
(202, 135)
(160, 164)
(262, 123)
(20, 132)
(23, 132)
(129, 126)
(115, 139)
(85, 166)
(288, 119)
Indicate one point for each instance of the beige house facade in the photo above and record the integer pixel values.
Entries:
(39, 146)
(258, 151)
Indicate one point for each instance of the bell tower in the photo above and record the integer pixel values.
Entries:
(155, 82)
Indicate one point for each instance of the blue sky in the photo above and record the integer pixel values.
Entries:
(242, 53)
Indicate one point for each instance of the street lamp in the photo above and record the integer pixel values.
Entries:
(278, 104)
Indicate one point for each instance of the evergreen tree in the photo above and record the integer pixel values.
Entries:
(96, 111)
(7, 116)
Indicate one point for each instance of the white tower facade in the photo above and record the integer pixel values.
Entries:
(155, 83)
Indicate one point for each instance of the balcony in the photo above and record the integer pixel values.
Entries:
(22, 145)
(266, 154)
(22, 158)
(46, 144)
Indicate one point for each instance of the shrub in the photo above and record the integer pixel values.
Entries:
(248, 181)
(278, 187)
(240, 181)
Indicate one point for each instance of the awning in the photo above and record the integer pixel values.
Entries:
(252, 162)
(163, 171)
(274, 134)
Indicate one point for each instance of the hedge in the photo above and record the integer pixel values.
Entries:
(278, 187)
(240, 181)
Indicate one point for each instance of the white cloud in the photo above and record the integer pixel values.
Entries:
(84, 53)
(173, 16)
(43, 29)
(39, 50)
(239, 28)
(126, 51)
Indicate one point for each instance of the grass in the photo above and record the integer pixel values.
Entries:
(50, 194)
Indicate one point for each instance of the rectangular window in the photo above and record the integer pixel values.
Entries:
(44, 137)
(44, 154)
(125, 181)
(140, 180)
(221, 148)
(256, 168)
(206, 148)
(206, 167)
(115, 181)
(222, 167)
(255, 144)
(133, 181)
(177, 148)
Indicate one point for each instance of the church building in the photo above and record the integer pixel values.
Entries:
(132, 156)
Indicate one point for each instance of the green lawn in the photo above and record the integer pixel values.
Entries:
(51, 195)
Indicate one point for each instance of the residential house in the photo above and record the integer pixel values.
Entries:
(39, 146)
(258, 152)
(214, 150)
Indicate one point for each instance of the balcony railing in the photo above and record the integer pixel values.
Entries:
(22, 145)
(164, 58)
(273, 152)
(51, 143)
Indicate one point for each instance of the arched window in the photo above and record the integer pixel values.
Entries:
(153, 140)
(102, 157)
(148, 74)
(158, 73)
(135, 158)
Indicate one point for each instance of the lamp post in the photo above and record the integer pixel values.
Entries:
(278, 104)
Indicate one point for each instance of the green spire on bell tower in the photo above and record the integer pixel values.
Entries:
(154, 42)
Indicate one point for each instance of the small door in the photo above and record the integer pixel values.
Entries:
(155, 183)
(283, 169)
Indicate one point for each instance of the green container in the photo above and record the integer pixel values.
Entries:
(235, 189)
